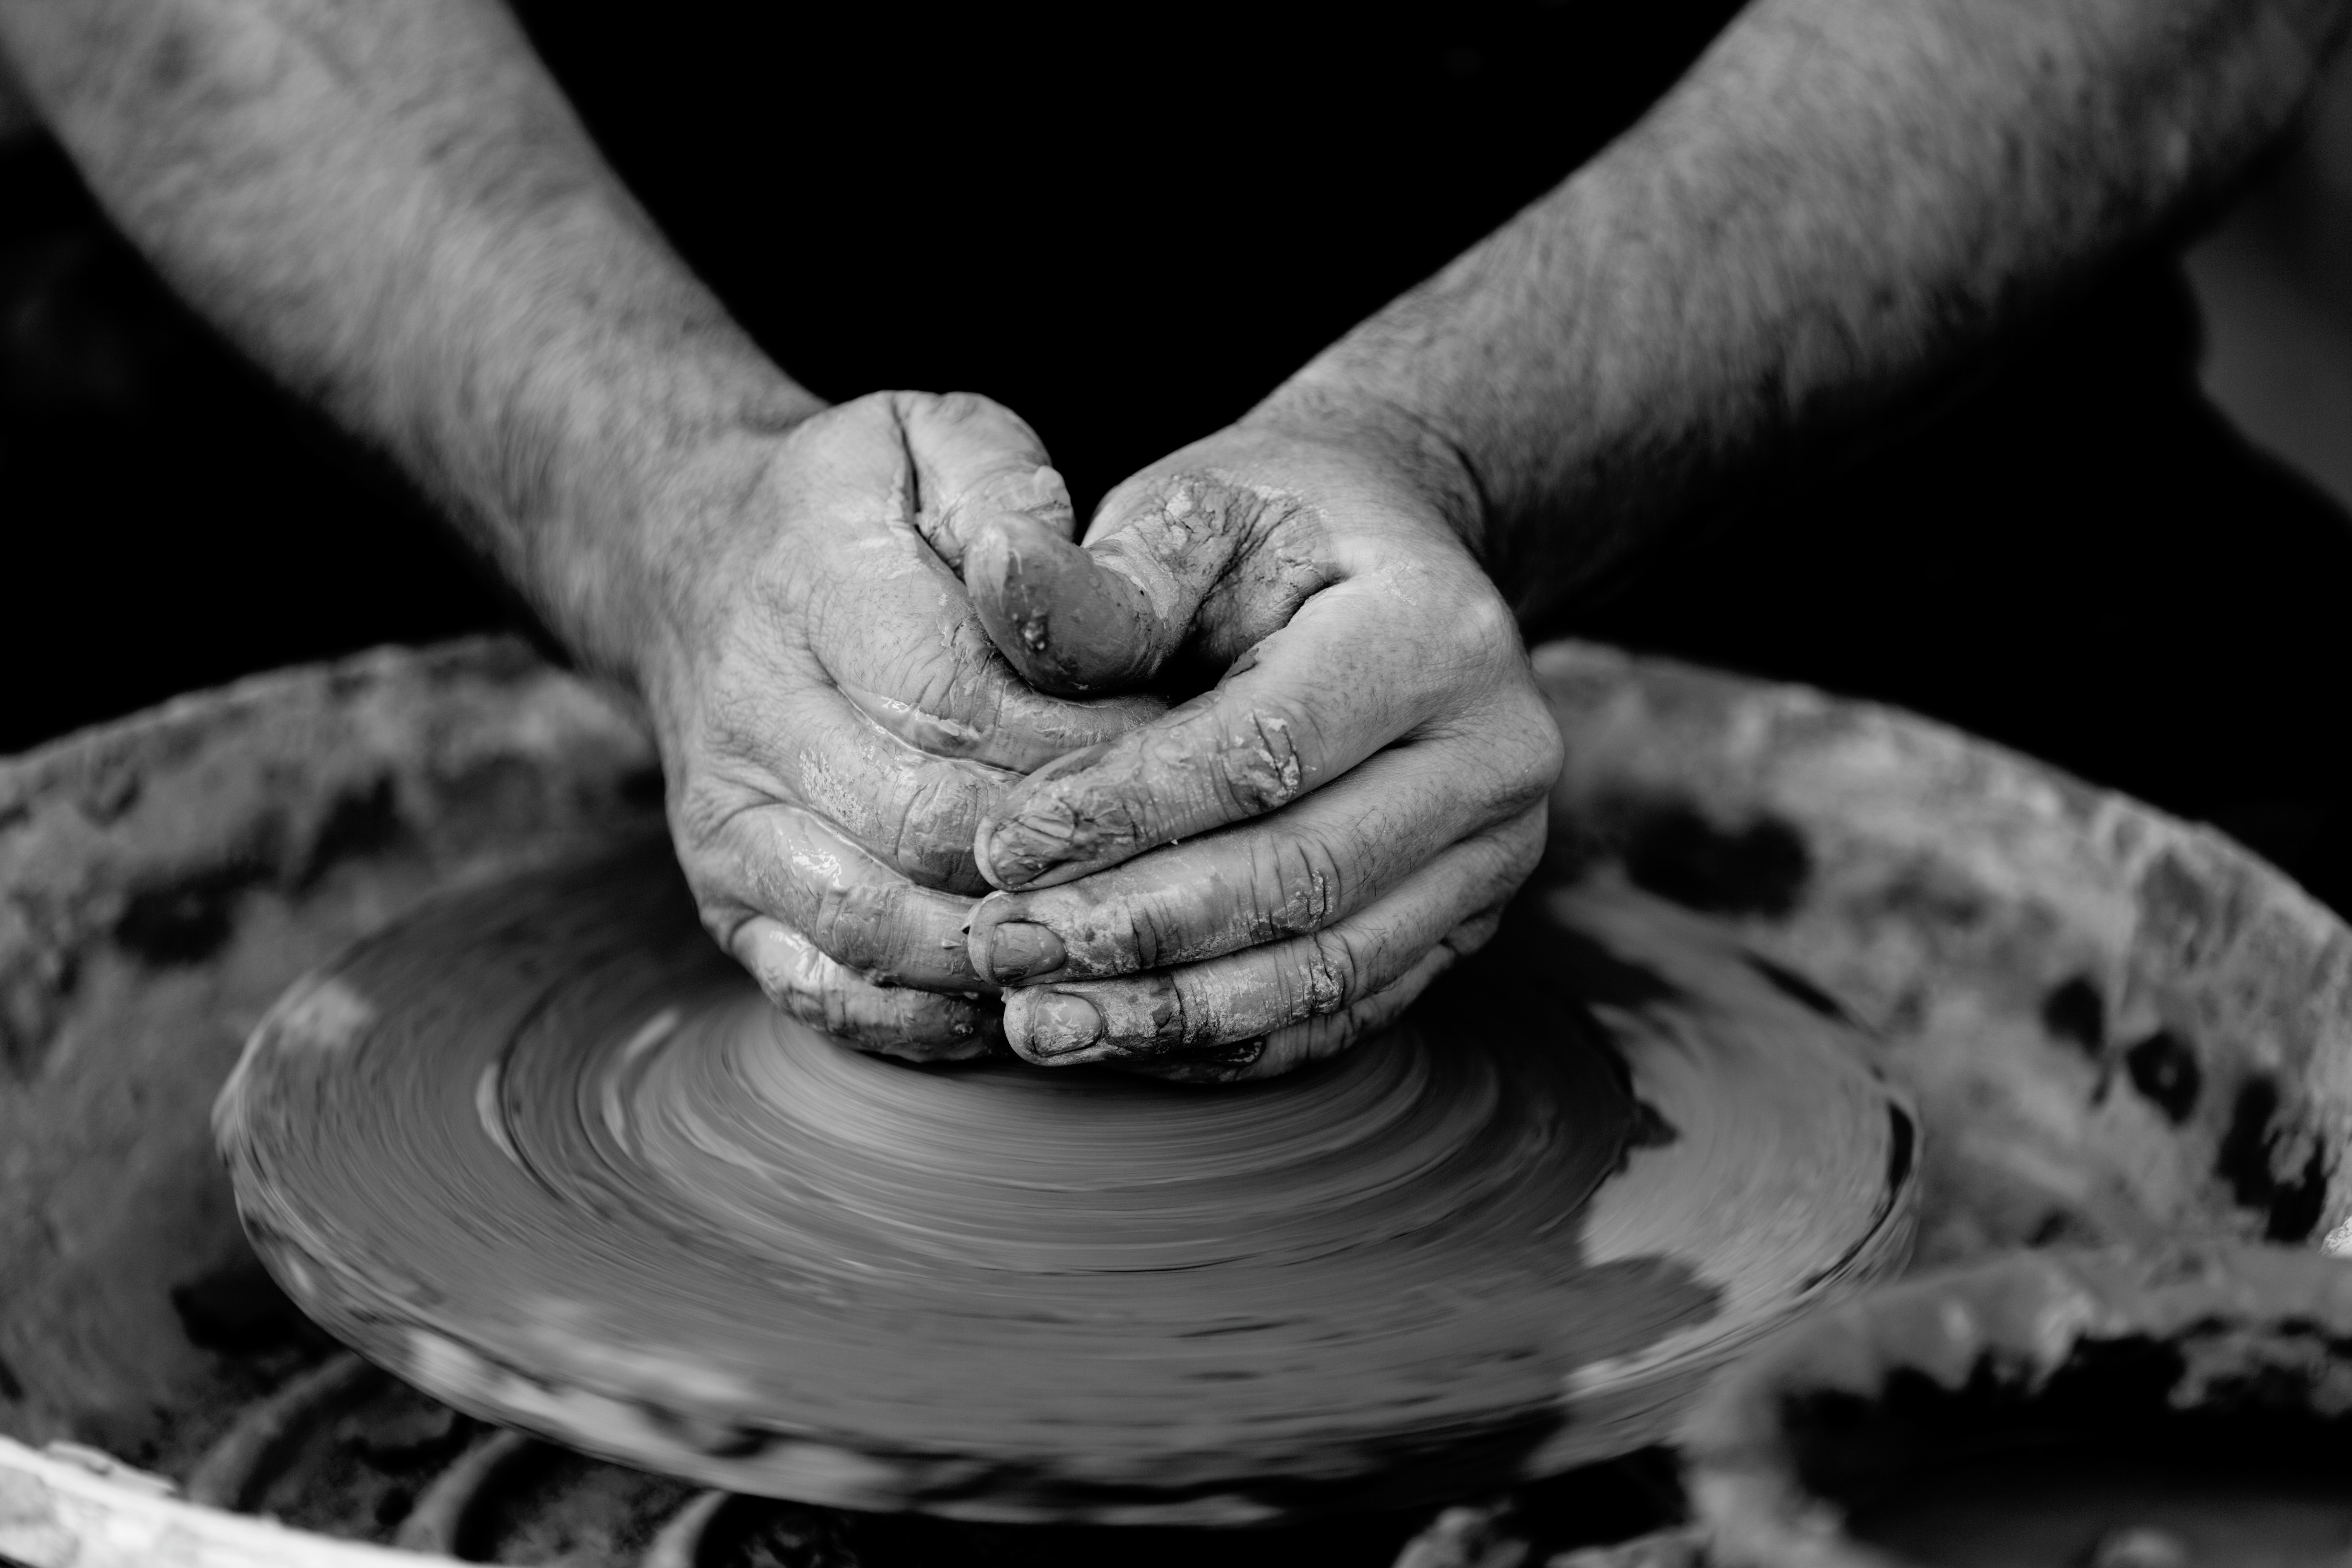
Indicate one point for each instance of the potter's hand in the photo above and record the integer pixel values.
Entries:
(1261, 875)
(834, 722)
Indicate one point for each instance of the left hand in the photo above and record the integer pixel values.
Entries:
(1253, 880)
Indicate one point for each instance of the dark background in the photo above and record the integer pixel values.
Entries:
(2083, 558)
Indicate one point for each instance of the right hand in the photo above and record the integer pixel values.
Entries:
(834, 720)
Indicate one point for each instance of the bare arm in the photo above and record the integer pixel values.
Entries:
(390, 206)
(1844, 203)
(1840, 205)
(393, 209)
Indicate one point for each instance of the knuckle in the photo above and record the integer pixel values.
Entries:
(1101, 936)
(1520, 753)
(1200, 504)
(932, 822)
(1546, 750)
(821, 1007)
(793, 975)
(1296, 885)
(1257, 763)
(1151, 1013)
(1022, 486)
(733, 845)
(858, 924)
(1149, 930)
(1486, 622)
(1191, 521)
(1329, 979)
(890, 1020)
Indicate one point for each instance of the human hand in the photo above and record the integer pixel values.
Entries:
(834, 722)
(1258, 877)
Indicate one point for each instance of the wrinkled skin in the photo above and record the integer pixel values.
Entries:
(1225, 890)
(835, 723)
(1841, 208)
(1256, 878)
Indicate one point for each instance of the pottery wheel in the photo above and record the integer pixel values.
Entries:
(545, 1152)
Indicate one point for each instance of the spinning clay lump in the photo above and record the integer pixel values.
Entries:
(544, 1152)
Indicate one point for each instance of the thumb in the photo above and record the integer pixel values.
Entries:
(1106, 615)
(975, 462)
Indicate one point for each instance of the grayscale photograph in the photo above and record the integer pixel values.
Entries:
(1521, 784)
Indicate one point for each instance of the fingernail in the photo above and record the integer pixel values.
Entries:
(1017, 949)
(1013, 855)
(1022, 848)
(1060, 1023)
(1045, 828)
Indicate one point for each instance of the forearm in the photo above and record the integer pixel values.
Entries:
(1842, 203)
(392, 208)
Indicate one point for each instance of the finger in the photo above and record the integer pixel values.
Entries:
(781, 862)
(900, 638)
(952, 695)
(887, 796)
(1257, 992)
(1285, 1051)
(803, 983)
(1346, 677)
(1108, 614)
(975, 462)
(1325, 857)
(1313, 1039)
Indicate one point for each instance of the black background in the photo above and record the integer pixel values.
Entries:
(1128, 235)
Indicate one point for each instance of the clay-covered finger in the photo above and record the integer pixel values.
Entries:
(1244, 995)
(1347, 675)
(1108, 615)
(883, 796)
(802, 981)
(975, 462)
(1284, 875)
(899, 638)
(887, 772)
(1285, 1051)
(790, 865)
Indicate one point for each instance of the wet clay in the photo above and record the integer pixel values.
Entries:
(545, 1152)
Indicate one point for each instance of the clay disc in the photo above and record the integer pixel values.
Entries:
(544, 1152)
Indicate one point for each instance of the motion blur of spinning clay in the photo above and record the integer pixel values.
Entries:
(1121, 1028)
(543, 1152)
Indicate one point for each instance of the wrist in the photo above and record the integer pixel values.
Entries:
(1420, 454)
(625, 510)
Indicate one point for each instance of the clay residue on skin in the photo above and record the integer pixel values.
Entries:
(931, 732)
(1107, 616)
(1042, 826)
(1081, 811)
(1261, 765)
